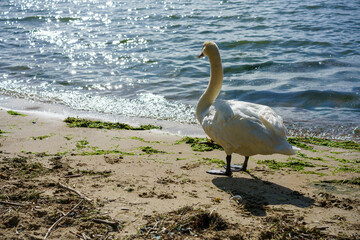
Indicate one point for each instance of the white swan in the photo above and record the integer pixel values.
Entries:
(239, 127)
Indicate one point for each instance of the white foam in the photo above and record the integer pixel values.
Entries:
(60, 112)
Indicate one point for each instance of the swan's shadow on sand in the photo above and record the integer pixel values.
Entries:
(257, 194)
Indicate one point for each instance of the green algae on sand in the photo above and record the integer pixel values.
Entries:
(352, 181)
(86, 123)
(303, 141)
(151, 150)
(13, 113)
(200, 144)
(292, 163)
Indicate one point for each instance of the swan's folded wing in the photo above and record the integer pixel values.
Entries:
(246, 127)
(233, 127)
(273, 121)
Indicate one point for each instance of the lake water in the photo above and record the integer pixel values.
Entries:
(139, 58)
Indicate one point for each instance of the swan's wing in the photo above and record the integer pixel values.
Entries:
(271, 121)
(251, 127)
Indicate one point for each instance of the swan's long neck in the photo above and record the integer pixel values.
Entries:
(214, 86)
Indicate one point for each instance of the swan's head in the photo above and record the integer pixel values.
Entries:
(208, 49)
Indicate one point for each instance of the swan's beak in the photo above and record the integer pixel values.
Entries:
(201, 55)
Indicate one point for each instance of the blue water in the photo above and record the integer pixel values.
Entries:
(139, 58)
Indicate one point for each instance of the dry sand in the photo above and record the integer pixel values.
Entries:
(130, 188)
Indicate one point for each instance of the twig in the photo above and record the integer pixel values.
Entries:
(78, 235)
(12, 203)
(86, 237)
(72, 176)
(5, 186)
(57, 222)
(75, 191)
(114, 225)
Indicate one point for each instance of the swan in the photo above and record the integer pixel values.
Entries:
(239, 127)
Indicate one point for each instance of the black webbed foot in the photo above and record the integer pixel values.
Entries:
(219, 172)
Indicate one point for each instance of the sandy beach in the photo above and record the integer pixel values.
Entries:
(131, 184)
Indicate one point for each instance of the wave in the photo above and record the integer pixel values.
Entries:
(265, 43)
(310, 99)
(144, 105)
(39, 18)
(247, 43)
(302, 66)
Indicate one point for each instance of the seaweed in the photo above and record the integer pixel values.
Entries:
(97, 151)
(293, 163)
(285, 227)
(303, 155)
(151, 150)
(300, 142)
(25, 169)
(216, 161)
(13, 113)
(82, 144)
(23, 195)
(143, 140)
(352, 181)
(345, 168)
(200, 144)
(41, 137)
(181, 222)
(86, 123)
(343, 160)
(68, 137)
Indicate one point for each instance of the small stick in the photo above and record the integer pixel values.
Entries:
(85, 236)
(12, 203)
(57, 222)
(113, 224)
(78, 235)
(75, 191)
(72, 176)
(5, 186)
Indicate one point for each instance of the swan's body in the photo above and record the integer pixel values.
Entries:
(239, 127)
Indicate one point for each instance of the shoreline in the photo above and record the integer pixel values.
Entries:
(134, 177)
(61, 112)
(345, 131)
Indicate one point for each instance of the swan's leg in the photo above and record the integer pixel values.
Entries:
(227, 172)
(228, 165)
(245, 164)
(238, 168)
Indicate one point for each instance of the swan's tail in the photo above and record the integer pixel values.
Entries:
(288, 149)
(294, 150)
